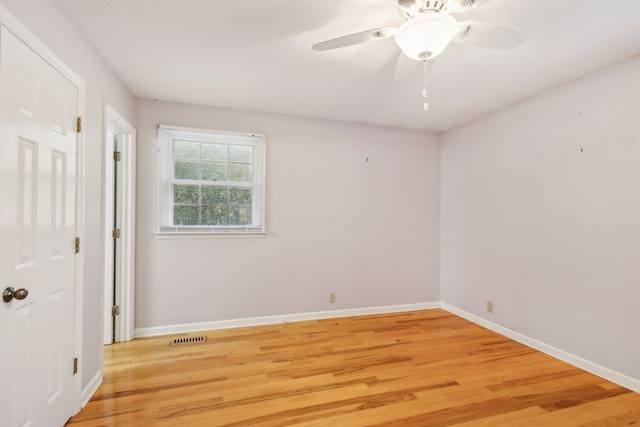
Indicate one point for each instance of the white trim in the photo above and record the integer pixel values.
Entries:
(208, 234)
(212, 131)
(12, 24)
(126, 300)
(284, 318)
(125, 293)
(91, 388)
(80, 233)
(23, 33)
(587, 365)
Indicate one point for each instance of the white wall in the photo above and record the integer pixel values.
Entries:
(541, 215)
(51, 24)
(366, 230)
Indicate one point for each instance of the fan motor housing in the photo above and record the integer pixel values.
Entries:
(409, 9)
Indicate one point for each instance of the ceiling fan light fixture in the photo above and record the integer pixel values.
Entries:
(425, 37)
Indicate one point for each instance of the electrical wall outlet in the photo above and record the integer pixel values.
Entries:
(332, 297)
(489, 307)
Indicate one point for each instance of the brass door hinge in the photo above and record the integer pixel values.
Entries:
(79, 124)
(115, 310)
(75, 365)
(116, 156)
(77, 245)
(116, 233)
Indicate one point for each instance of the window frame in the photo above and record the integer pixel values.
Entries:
(165, 180)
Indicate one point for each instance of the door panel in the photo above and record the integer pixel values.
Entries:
(38, 107)
(27, 200)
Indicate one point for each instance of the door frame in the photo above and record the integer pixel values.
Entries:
(125, 291)
(12, 24)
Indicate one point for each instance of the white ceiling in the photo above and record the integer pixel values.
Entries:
(256, 55)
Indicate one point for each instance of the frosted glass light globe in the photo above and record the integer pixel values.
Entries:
(426, 36)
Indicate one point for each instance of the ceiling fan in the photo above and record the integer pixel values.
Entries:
(428, 28)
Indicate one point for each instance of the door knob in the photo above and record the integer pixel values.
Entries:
(9, 293)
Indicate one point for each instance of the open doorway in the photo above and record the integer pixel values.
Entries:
(119, 227)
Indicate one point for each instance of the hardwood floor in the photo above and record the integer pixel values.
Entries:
(423, 368)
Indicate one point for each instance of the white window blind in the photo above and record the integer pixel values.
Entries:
(210, 181)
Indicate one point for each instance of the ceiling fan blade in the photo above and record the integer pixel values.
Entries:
(490, 36)
(355, 38)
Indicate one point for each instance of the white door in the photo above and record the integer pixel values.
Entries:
(38, 109)
(113, 217)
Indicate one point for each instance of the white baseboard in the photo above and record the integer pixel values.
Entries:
(90, 389)
(587, 365)
(285, 318)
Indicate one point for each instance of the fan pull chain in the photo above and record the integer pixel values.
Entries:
(424, 88)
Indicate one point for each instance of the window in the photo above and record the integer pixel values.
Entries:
(210, 181)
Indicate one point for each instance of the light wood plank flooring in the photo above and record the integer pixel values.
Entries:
(422, 368)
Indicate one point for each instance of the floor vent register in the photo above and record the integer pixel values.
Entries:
(188, 340)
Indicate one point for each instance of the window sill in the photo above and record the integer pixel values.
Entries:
(203, 234)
